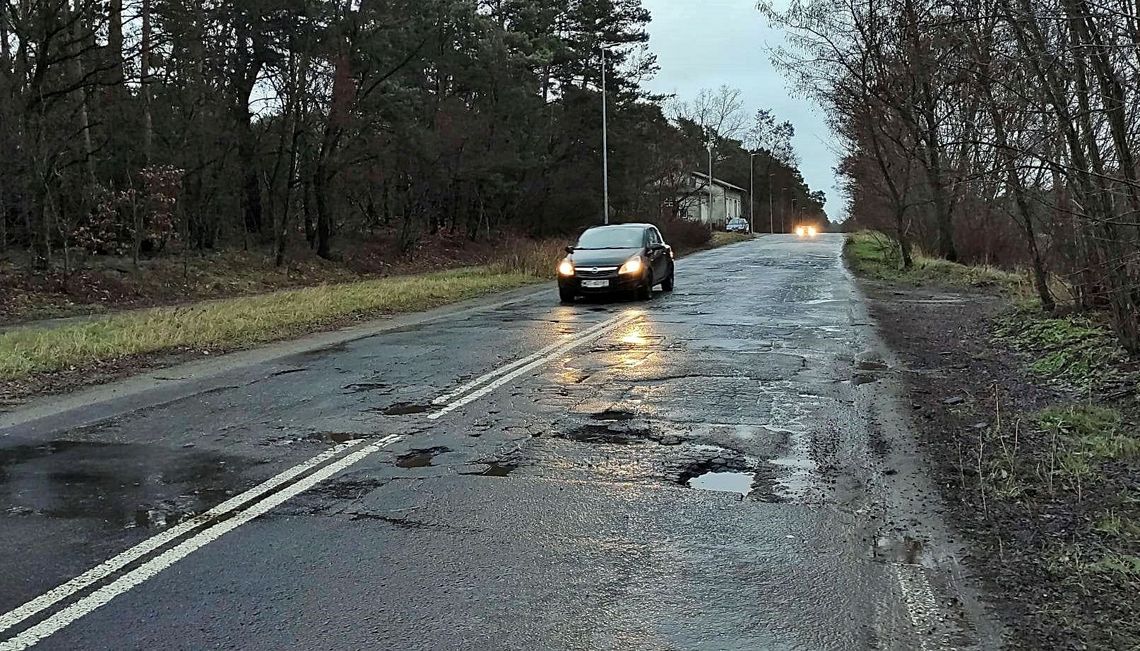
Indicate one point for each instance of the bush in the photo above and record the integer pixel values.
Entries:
(683, 235)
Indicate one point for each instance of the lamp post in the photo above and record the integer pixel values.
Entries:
(605, 142)
(710, 180)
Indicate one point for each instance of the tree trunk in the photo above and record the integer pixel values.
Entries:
(144, 81)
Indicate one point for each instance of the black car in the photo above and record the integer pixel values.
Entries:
(611, 259)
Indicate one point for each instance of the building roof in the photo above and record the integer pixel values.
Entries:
(723, 184)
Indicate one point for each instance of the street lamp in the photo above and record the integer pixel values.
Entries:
(710, 180)
(605, 144)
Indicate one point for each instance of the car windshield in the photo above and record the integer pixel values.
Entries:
(611, 238)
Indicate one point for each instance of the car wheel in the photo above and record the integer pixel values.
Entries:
(565, 295)
(667, 284)
(645, 291)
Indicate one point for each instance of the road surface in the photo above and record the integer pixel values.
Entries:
(723, 467)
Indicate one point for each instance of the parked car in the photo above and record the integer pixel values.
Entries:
(737, 225)
(616, 259)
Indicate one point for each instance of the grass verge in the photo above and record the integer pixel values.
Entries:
(213, 326)
(877, 256)
(237, 322)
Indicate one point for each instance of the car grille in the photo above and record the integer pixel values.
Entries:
(594, 272)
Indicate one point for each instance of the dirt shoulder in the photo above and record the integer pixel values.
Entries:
(1040, 473)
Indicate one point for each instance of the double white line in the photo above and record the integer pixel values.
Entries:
(251, 504)
(469, 392)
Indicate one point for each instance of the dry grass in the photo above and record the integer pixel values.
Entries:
(876, 256)
(237, 322)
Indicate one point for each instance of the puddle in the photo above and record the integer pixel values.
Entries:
(907, 551)
(419, 458)
(405, 408)
(119, 485)
(725, 482)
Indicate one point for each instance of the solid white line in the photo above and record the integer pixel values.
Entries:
(151, 568)
(448, 397)
(921, 606)
(112, 565)
(563, 348)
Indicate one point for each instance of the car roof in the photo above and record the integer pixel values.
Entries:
(619, 226)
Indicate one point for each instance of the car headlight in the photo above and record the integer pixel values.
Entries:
(631, 266)
(566, 268)
(812, 231)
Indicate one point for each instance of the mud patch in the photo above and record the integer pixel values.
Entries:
(420, 458)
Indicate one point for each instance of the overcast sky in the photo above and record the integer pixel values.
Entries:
(707, 43)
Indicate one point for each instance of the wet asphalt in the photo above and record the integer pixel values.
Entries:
(727, 469)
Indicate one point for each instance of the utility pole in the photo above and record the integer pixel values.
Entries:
(784, 210)
(752, 192)
(605, 146)
(771, 212)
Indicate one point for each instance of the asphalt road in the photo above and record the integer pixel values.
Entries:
(723, 467)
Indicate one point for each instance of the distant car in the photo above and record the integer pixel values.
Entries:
(737, 225)
(807, 230)
(624, 258)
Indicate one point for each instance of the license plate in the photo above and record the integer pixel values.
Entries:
(595, 284)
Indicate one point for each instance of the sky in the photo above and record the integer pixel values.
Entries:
(710, 43)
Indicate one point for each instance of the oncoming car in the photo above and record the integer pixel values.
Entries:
(807, 230)
(624, 258)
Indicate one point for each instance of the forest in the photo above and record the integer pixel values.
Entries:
(146, 128)
(1001, 132)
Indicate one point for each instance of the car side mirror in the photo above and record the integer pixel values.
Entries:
(569, 249)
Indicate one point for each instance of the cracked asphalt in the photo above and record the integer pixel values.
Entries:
(725, 467)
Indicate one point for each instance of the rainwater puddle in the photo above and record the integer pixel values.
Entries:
(419, 458)
(725, 482)
(907, 551)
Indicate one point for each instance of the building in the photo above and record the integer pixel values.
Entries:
(693, 200)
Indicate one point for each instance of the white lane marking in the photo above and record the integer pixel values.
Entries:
(118, 562)
(448, 397)
(921, 606)
(151, 568)
(568, 346)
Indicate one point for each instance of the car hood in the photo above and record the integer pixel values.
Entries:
(602, 257)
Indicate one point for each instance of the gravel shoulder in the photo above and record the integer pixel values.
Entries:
(1052, 521)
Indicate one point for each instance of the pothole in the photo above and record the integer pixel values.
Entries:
(361, 387)
(619, 431)
(494, 469)
(420, 458)
(614, 415)
(404, 409)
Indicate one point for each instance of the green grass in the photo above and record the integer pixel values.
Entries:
(876, 256)
(237, 322)
(1089, 436)
(1074, 349)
